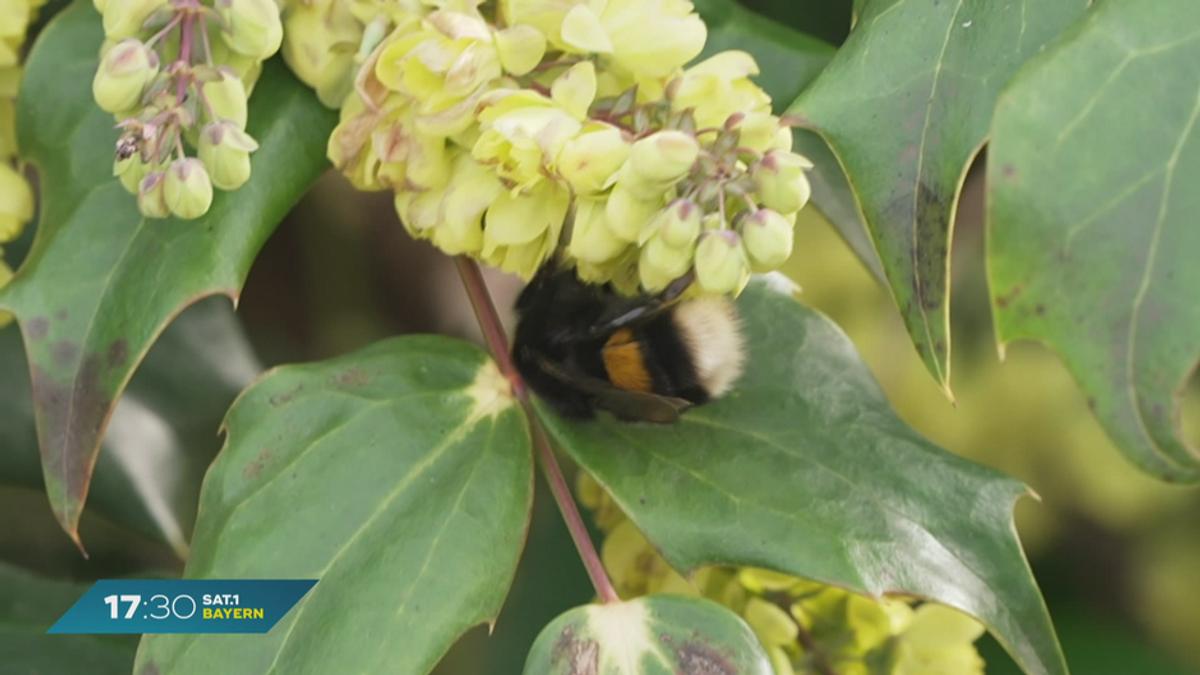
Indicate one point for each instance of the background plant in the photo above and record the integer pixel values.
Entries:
(95, 291)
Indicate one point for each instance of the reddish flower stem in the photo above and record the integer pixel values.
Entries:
(493, 333)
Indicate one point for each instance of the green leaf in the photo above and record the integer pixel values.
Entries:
(163, 431)
(653, 635)
(1092, 227)
(29, 605)
(905, 104)
(400, 476)
(101, 282)
(790, 61)
(804, 468)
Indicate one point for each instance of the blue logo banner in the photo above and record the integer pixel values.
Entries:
(183, 606)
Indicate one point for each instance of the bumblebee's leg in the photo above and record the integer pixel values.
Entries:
(567, 400)
(637, 310)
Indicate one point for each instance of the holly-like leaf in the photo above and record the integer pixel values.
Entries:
(101, 281)
(1092, 226)
(163, 431)
(650, 635)
(29, 605)
(399, 476)
(905, 104)
(804, 468)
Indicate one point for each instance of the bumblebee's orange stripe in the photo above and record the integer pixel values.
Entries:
(625, 363)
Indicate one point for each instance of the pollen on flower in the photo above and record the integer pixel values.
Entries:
(514, 131)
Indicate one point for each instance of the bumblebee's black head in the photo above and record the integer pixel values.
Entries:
(582, 346)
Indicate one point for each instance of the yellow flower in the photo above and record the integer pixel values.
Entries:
(590, 160)
(451, 216)
(444, 67)
(523, 134)
(521, 229)
(16, 203)
(592, 238)
(719, 87)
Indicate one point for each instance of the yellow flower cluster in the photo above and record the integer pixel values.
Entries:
(16, 196)
(806, 627)
(177, 73)
(513, 131)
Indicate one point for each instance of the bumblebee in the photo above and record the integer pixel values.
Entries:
(582, 347)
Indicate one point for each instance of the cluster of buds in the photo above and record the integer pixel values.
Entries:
(176, 74)
(511, 132)
(807, 628)
(16, 197)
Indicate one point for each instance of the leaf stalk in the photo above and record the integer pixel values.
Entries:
(497, 341)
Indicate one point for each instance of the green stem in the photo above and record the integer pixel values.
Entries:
(493, 333)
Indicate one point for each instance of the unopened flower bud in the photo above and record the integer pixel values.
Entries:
(782, 185)
(660, 263)
(124, 18)
(769, 237)
(665, 156)
(187, 188)
(589, 161)
(225, 149)
(123, 75)
(252, 27)
(227, 98)
(721, 265)
(151, 196)
(627, 214)
(678, 225)
(130, 171)
(592, 240)
(757, 130)
(520, 48)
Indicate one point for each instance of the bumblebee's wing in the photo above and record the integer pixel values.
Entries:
(641, 406)
(624, 403)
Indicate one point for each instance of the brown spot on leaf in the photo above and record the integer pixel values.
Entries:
(74, 416)
(118, 353)
(282, 398)
(699, 659)
(64, 352)
(1003, 301)
(583, 656)
(351, 378)
(37, 327)
(255, 467)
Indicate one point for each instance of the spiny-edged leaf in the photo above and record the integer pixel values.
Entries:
(653, 635)
(400, 476)
(790, 61)
(906, 104)
(29, 605)
(1092, 227)
(101, 281)
(804, 468)
(163, 431)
